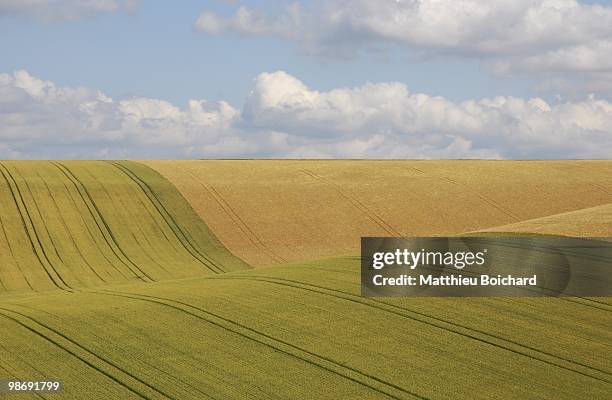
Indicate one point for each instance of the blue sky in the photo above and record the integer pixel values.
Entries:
(292, 76)
(156, 52)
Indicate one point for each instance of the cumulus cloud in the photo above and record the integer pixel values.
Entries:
(40, 119)
(515, 36)
(283, 117)
(52, 10)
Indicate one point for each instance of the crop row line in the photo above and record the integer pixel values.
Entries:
(91, 234)
(367, 380)
(486, 199)
(68, 231)
(176, 229)
(237, 220)
(433, 321)
(9, 368)
(372, 215)
(31, 232)
(101, 223)
(569, 297)
(119, 202)
(15, 259)
(102, 365)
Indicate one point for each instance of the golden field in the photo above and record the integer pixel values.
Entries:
(270, 212)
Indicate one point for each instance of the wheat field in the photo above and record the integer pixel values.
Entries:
(271, 212)
(135, 280)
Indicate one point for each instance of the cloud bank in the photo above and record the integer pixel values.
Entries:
(561, 37)
(283, 117)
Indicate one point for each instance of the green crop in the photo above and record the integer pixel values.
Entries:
(73, 224)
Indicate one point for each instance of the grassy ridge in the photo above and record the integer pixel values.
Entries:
(68, 225)
(303, 331)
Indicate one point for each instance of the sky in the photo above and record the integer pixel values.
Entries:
(500, 79)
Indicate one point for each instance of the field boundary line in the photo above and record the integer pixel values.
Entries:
(184, 238)
(175, 228)
(144, 244)
(237, 220)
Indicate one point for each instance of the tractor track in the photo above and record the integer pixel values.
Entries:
(389, 389)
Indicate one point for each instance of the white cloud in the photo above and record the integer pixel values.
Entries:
(39, 119)
(283, 117)
(251, 22)
(510, 36)
(52, 10)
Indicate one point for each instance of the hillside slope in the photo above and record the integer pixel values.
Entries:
(588, 222)
(141, 310)
(303, 331)
(274, 211)
(68, 225)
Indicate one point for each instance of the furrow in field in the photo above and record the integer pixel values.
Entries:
(103, 341)
(183, 237)
(97, 362)
(35, 213)
(357, 204)
(101, 223)
(459, 329)
(236, 219)
(98, 241)
(70, 235)
(602, 188)
(372, 382)
(93, 223)
(293, 213)
(486, 199)
(16, 273)
(163, 212)
(253, 237)
(10, 370)
(148, 242)
(32, 234)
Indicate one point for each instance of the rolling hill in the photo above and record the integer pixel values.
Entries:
(67, 225)
(273, 211)
(591, 222)
(126, 281)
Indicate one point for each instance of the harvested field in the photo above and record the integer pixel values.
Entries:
(270, 212)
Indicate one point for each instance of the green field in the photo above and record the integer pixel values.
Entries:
(112, 283)
(68, 225)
